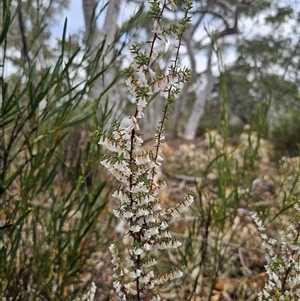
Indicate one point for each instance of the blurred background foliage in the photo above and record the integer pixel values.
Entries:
(258, 40)
(259, 44)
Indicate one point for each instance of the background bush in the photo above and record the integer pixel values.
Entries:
(52, 194)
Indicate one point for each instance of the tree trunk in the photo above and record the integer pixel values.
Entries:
(94, 38)
(233, 13)
(199, 105)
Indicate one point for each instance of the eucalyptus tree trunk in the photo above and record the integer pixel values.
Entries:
(229, 17)
(94, 38)
(197, 111)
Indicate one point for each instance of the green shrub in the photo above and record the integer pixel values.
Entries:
(285, 134)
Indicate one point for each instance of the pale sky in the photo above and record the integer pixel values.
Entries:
(75, 19)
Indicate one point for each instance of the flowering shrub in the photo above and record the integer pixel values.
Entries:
(138, 193)
(283, 265)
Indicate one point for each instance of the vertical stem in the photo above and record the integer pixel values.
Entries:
(137, 280)
(131, 163)
(136, 238)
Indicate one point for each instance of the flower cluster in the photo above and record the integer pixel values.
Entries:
(283, 267)
(141, 87)
(138, 193)
(140, 208)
